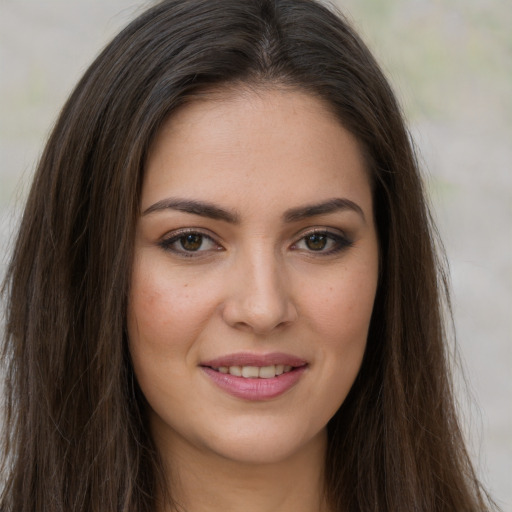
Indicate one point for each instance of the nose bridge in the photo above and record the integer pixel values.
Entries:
(261, 298)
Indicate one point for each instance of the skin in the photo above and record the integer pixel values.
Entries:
(255, 285)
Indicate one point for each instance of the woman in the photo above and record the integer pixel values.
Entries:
(224, 293)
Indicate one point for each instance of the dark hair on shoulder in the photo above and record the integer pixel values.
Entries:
(75, 437)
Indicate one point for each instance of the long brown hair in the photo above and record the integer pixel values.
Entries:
(75, 437)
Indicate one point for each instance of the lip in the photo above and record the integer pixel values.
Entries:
(255, 389)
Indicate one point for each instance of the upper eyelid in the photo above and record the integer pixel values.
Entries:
(207, 232)
(177, 233)
(321, 230)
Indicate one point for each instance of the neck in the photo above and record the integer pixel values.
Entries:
(203, 481)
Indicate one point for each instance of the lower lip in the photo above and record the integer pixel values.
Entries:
(255, 389)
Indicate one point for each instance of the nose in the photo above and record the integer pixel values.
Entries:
(260, 298)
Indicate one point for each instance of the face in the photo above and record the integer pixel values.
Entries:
(255, 272)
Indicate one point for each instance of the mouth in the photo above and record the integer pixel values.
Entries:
(255, 377)
(255, 366)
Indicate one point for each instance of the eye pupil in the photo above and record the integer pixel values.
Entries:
(191, 242)
(316, 242)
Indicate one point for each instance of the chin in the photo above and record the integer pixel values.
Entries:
(265, 446)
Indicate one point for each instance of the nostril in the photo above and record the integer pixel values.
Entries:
(258, 317)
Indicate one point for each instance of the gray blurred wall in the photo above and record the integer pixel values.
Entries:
(451, 65)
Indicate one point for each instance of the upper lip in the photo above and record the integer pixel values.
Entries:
(249, 359)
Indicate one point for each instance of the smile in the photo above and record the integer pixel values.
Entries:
(255, 377)
(255, 372)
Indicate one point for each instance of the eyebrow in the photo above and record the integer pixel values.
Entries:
(325, 207)
(210, 210)
(202, 208)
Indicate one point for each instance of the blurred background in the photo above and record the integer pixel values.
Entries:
(450, 62)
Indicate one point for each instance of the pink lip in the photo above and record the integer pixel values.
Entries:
(255, 389)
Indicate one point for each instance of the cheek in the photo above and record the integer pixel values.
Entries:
(340, 314)
(345, 332)
(342, 308)
(166, 313)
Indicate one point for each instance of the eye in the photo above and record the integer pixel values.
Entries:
(322, 242)
(188, 242)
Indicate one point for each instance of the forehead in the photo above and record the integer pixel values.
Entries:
(250, 146)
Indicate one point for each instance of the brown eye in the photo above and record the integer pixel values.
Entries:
(191, 242)
(323, 243)
(316, 241)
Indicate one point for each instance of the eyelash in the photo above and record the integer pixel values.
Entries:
(168, 243)
(340, 242)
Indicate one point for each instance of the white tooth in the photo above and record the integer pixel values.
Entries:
(267, 372)
(287, 368)
(223, 369)
(279, 369)
(235, 370)
(250, 372)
